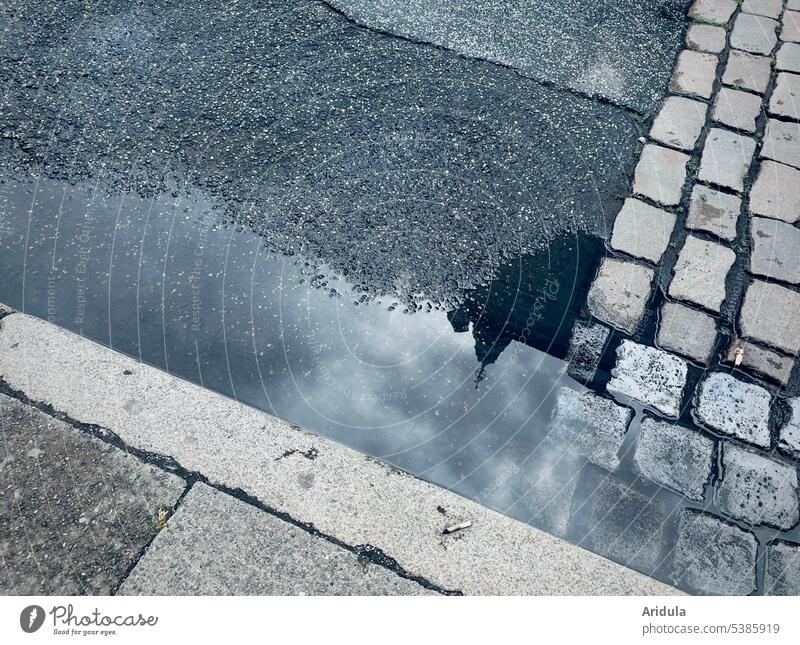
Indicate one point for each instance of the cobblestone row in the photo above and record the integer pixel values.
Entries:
(703, 271)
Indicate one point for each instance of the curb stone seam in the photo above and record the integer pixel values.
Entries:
(366, 553)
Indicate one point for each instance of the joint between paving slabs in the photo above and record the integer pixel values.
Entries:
(365, 553)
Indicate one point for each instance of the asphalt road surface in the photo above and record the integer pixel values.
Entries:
(621, 51)
(411, 169)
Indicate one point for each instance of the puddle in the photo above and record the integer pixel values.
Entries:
(381, 241)
(463, 398)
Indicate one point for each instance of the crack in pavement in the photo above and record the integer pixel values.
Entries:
(552, 85)
(365, 553)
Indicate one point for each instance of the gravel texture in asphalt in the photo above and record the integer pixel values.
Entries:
(621, 51)
(408, 168)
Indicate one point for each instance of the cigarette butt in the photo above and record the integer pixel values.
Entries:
(738, 355)
(458, 527)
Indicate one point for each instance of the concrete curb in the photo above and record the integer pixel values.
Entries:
(314, 483)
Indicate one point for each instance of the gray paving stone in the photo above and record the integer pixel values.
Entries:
(218, 545)
(736, 109)
(642, 230)
(782, 577)
(747, 71)
(733, 407)
(706, 38)
(714, 557)
(768, 8)
(586, 346)
(794, 5)
(714, 212)
(776, 250)
(673, 456)
(686, 331)
(591, 425)
(620, 292)
(620, 523)
(717, 12)
(660, 174)
(726, 158)
(757, 489)
(788, 58)
(785, 98)
(755, 34)
(790, 27)
(790, 432)
(760, 361)
(74, 511)
(782, 142)
(771, 314)
(650, 376)
(694, 73)
(776, 192)
(679, 122)
(700, 272)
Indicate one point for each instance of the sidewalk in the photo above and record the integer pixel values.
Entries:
(120, 478)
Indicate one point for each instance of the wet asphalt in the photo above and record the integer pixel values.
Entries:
(189, 182)
(411, 169)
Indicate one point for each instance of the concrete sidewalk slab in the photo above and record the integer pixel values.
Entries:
(344, 494)
(74, 511)
(218, 545)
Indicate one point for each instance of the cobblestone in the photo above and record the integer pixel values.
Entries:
(747, 71)
(776, 250)
(650, 376)
(686, 331)
(706, 38)
(586, 346)
(760, 361)
(591, 425)
(673, 456)
(679, 122)
(771, 314)
(700, 272)
(768, 8)
(714, 212)
(642, 230)
(660, 174)
(736, 109)
(620, 293)
(776, 192)
(714, 557)
(717, 12)
(790, 432)
(790, 29)
(757, 489)
(782, 577)
(782, 142)
(694, 74)
(755, 34)
(788, 58)
(726, 158)
(733, 407)
(785, 99)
